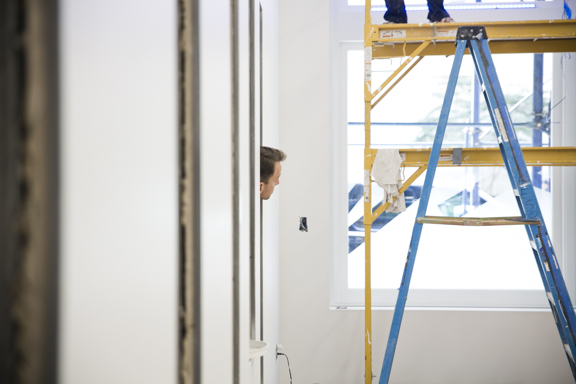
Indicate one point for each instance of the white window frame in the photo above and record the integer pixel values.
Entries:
(564, 241)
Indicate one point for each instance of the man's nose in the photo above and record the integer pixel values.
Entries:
(277, 181)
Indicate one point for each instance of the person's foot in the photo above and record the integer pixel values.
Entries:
(447, 20)
(394, 22)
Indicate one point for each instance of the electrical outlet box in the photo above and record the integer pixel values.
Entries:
(303, 224)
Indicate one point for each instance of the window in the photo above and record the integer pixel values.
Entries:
(486, 267)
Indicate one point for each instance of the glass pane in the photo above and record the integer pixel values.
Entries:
(449, 257)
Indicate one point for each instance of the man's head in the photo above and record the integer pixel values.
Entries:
(270, 170)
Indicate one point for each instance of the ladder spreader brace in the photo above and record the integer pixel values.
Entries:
(475, 39)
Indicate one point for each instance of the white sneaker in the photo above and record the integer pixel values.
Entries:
(447, 20)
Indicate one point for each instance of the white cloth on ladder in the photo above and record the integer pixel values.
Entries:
(386, 171)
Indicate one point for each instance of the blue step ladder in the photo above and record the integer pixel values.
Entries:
(475, 39)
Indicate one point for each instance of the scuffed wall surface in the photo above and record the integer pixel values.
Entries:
(10, 199)
(189, 300)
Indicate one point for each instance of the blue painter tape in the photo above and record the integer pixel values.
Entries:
(567, 10)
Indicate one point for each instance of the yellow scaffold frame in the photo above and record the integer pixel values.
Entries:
(415, 41)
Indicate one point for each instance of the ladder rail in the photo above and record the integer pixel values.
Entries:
(547, 279)
(507, 167)
(508, 170)
(557, 305)
(521, 180)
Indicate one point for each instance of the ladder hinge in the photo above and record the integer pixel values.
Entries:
(471, 32)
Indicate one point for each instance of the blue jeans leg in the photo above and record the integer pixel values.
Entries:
(396, 12)
(436, 10)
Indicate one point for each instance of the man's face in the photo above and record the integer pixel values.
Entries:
(266, 189)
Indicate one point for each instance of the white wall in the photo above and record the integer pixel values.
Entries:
(305, 321)
(216, 325)
(327, 346)
(271, 215)
(119, 192)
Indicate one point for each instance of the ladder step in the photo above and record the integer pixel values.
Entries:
(477, 221)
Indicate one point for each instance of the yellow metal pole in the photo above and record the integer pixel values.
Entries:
(367, 192)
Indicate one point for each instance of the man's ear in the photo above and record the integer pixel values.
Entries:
(261, 187)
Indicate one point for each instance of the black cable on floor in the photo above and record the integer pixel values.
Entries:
(288, 361)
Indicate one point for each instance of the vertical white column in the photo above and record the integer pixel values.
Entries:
(118, 314)
(216, 191)
(270, 208)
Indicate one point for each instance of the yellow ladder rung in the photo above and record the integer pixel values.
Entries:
(477, 221)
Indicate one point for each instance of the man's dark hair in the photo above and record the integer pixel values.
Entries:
(268, 159)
